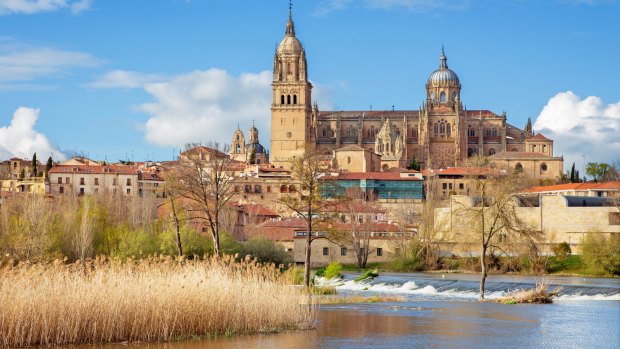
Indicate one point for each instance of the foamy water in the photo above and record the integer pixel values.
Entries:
(440, 289)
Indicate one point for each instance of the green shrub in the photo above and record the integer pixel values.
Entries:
(333, 270)
(601, 254)
(319, 272)
(562, 251)
(266, 251)
(369, 274)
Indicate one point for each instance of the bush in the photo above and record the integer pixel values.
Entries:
(562, 251)
(601, 254)
(333, 270)
(266, 251)
(369, 274)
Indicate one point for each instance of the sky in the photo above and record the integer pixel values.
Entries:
(139, 79)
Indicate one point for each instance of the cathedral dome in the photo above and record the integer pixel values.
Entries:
(443, 75)
(290, 45)
(256, 146)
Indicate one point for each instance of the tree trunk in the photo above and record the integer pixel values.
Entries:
(176, 226)
(483, 274)
(308, 250)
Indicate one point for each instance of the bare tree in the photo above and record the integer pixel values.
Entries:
(204, 180)
(491, 212)
(306, 172)
(352, 226)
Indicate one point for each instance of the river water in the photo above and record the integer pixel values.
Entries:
(443, 312)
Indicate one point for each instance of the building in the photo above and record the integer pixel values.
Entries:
(93, 179)
(607, 189)
(441, 133)
(252, 152)
(383, 186)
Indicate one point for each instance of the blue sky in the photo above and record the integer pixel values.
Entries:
(138, 79)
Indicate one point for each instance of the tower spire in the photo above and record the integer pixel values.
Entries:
(290, 26)
(443, 59)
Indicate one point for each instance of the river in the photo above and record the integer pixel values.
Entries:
(442, 311)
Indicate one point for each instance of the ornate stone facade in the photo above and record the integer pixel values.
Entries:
(441, 133)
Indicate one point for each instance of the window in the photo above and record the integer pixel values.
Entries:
(343, 251)
(444, 186)
(294, 99)
(257, 188)
(96, 181)
(379, 252)
(288, 99)
(248, 188)
(543, 167)
(453, 96)
(283, 189)
(59, 180)
(114, 181)
(470, 152)
(81, 191)
(450, 186)
(269, 189)
(128, 181)
(442, 97)
(325, 251)
(518, 167)
(67, 181)
(461, 186)
(128, 191)
(292, 189)
(491, 151)
(61, 190)
(82, 181)
(282, 99)
(472, 132)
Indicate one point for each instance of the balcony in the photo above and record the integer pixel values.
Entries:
(472, 139)
(492, 139)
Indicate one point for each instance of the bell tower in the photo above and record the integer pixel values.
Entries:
(291, 109)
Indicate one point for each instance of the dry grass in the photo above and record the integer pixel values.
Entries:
(157, 299)
(540, 294)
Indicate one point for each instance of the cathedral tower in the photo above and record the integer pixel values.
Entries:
(291, 109)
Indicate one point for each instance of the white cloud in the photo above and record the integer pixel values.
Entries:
(581, 127)
(126, 79)
(204, 106)
(327, 6)
(22, 140)
(37, 6)
(22, 62)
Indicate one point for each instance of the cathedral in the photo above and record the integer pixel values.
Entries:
(441, 133)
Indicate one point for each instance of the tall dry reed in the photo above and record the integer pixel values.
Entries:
(156, 299)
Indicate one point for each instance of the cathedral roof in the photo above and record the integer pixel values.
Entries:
(290, 44)
(259, 148)
(539, 137)
(443, 75)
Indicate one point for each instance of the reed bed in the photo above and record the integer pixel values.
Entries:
(156, 299)
(540, 294)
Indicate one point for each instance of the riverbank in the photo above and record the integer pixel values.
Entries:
(155, 299)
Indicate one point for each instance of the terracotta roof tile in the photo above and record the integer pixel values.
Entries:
(86, 169)
(540, 137)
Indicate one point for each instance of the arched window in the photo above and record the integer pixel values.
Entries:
(238, 150)
(518, 167)
(282, 99)
(324, 133)
(294, 99)
(448, 129)
(442, 97)
(436, 128)
(283, 189)
(288, 99)
(442, 128)
(292, 189)
(471, 132)
(470, 152)
(494, 132)
(491, 151)
(372, 131)
(453, 96)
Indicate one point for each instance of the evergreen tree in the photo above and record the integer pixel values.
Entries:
(572, 174)
(49, 165)
(34, 165)
(414, 165)
(252, 159)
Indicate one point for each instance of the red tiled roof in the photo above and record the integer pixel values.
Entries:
(386, 176)
(458, 171)
(516, 155)
(258, 210)
(372, 227)
(540, 137)
(108, 169)
(277, 229)
(575, 187)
